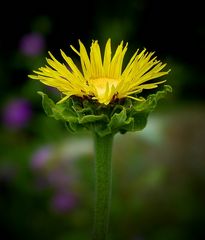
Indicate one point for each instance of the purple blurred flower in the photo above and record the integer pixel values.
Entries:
(32, 44)
(63, 202)
(59, 178)
(17, 113)
(41, 157)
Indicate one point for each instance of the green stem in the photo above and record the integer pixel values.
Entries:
(103, 185)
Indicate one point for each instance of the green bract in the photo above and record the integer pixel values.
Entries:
(122, 116)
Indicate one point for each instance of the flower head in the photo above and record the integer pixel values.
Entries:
(102, 79)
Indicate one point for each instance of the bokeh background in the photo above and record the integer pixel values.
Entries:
(46, 173)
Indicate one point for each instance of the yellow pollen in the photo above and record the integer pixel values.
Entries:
(103, 84)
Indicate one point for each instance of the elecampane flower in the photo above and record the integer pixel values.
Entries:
(102, 78)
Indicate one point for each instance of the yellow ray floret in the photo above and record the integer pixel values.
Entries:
(102, 78)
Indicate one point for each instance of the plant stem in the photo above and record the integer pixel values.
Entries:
(103, 185)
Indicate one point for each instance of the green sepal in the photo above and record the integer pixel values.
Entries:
(47, 103)
(120, 116)
(58, 111)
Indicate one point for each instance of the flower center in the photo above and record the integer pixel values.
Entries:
(101, 84)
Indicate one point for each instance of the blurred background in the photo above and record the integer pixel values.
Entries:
(46, 173)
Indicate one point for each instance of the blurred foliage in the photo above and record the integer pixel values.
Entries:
(46, 173)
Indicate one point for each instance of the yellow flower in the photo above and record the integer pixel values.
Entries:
(102, 78)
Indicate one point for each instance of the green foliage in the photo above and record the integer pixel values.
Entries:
(121, 116)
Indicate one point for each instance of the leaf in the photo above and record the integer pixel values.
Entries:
(102, 129)
(118, 119)
(93, 118)
(74, 127)
(122, 116)
(57, 111)
(47, 103)
(151, 102)
(140, 121)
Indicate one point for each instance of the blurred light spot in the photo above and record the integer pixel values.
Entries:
(17, 113)
(32, 44)
(153, 132)
(63, 202)
(41, 156)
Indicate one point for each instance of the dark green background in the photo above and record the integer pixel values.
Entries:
(158, 174)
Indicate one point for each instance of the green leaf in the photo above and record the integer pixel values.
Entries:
(129, 126)
(121, 116)
(118, 119)
(59, 113)
(93, 118)
(101, 129)
(74, 127)
(140, 121)
(47, 103)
